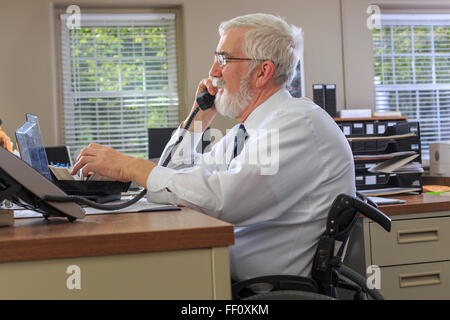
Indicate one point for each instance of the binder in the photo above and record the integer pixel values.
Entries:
(319, 95)
(330, 99)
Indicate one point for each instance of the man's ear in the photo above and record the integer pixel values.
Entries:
(264, 73)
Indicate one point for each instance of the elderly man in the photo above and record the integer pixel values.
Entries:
(278, 203)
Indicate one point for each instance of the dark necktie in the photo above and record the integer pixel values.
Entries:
(239, 140)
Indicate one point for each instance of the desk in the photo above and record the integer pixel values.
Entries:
(414, 258)
(150, 255)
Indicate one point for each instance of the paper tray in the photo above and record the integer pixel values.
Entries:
(384, 180)
(94, 188)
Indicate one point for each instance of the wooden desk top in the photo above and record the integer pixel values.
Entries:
(421, 203)
(107, 234)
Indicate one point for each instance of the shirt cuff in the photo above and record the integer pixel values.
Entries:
(157, 186)
(159, 178)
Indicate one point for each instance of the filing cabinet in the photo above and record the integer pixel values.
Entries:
(414, 259)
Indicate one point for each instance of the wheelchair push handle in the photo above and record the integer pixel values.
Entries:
(373, 213)
(345, 202)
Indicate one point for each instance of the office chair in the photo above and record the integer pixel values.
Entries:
(328, 272)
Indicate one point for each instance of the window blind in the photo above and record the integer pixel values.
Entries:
(412, 71)
(119, 78)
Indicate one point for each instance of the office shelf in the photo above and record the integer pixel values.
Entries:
(375, 140)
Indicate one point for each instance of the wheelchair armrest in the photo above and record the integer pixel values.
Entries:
(272, 283)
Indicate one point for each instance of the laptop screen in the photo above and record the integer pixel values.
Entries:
(31, 147)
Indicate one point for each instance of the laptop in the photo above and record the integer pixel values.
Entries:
(33, 152)
(58, 155)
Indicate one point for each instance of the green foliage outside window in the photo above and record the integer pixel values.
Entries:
(119, 78)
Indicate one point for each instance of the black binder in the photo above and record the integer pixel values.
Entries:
(324, 95)
(319, 95)
(330, 99)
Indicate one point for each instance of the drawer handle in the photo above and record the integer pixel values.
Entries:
(418, 235)
(420, 279)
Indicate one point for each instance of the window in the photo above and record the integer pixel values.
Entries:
(412, 71)
(297, 86)
(119, 78)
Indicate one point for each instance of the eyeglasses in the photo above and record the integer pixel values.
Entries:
(222, 60)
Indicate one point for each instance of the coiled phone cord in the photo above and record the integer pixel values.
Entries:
(93, 204)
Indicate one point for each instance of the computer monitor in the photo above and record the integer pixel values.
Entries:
(58, 155)
(157, 140)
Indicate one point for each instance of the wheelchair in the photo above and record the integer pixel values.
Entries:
(329, 276)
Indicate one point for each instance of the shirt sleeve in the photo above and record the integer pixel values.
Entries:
(274, 177)
(228, 190)
(231, 195)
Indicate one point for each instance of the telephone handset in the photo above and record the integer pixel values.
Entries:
(204, 101)
(23, 185)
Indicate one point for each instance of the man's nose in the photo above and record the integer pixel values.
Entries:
(216, 70)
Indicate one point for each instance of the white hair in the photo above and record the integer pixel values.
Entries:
(270, 38)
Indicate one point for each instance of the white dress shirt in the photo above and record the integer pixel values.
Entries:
(276, 192)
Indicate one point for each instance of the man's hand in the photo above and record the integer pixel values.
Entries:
(110, 163)
(205, 117)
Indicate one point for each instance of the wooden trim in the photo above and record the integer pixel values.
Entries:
(370, 119)
(98, 235)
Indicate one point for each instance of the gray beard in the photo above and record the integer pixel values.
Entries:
(232, 106)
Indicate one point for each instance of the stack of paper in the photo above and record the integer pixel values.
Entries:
(388, 191)
(398, 165)
(355, 113)
(141, 206)
(387, 114)
(383, 156)
(62, 173)
(397, 136)
(385, 201)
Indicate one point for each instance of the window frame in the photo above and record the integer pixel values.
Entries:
(58, 54)
(411, 20)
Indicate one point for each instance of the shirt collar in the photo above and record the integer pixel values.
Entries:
(260, 113)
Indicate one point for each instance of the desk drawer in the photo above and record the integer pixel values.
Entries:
(411, 241)
(421, 281)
